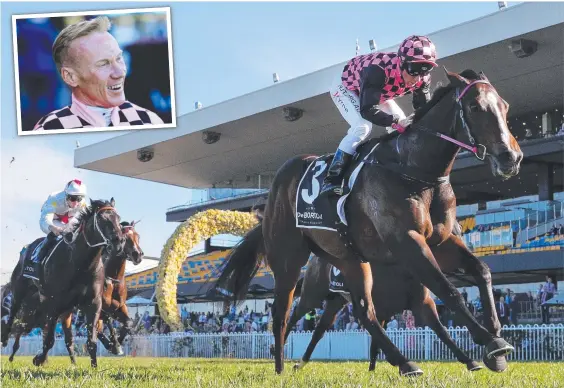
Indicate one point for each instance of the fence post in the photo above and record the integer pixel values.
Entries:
(253, 343)
(427, 343)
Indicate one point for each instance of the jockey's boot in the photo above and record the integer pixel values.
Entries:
(333, 180)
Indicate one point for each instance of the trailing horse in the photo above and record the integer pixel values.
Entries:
(113, 301)
(401, 206)
(72, 275)
(388, 298)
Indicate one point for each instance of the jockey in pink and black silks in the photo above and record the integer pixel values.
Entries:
(365, 90)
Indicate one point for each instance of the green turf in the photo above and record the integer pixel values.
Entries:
(195, 373)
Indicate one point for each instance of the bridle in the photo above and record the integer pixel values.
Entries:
(479, 150)
(82, 229)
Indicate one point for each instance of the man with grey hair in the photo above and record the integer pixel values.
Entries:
(91, 63)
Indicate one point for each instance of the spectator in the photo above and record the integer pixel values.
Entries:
(352, 325)
(392, 324)
(502, 310)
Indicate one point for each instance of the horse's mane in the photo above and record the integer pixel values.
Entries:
(89, 211)
(440, 92)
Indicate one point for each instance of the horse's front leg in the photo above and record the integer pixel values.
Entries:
(114, 341)
(48, 339)
(453, 254)
(66, 322)
(92, 315)
(411, 249)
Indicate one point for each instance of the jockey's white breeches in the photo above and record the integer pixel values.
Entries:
(360, 129)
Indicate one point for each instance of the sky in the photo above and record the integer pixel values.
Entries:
(220, 51)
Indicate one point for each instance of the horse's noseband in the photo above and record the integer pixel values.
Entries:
(105, 241)
(479, 150)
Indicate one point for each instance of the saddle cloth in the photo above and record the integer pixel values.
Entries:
(314, 212)
(337, 281)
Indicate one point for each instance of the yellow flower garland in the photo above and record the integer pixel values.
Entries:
(199, 227)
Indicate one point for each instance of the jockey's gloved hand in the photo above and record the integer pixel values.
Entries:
(57, 230)
(402, 124)
(406, 122)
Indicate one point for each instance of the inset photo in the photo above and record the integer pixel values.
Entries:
(94, 71)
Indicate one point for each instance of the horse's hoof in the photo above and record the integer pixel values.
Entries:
(410, 369)
(498, 347)
(473, 366)
(38, 360)
(496, 363)
(11, 358)
(300, 365)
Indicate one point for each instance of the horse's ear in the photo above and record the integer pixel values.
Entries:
(112, 202)
(456, 79)
(483, 76)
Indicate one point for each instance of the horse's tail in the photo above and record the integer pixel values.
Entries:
(241, 265)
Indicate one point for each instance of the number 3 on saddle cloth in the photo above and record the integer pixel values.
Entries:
(326, 211)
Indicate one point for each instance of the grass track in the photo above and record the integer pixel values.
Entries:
(193, 373)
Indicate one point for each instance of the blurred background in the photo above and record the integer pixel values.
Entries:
(142, 37)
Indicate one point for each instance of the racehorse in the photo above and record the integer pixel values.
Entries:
(113, 301)
(72, 275)
(388, 299)
(401, 206)
(115, 293)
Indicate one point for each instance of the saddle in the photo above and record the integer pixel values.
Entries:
(35, 259)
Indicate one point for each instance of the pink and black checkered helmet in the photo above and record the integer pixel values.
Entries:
(418, 49)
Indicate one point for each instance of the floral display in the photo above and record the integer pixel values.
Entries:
(199, 227)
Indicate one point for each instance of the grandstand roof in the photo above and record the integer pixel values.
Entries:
(256, 139)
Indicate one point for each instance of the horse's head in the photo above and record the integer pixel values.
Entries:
(482, 120)
(102, 226)
(132, 249)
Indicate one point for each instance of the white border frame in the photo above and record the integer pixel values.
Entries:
(96, 12)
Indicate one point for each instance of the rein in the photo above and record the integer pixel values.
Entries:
(105, 240)
(479, 150)
(419, 175)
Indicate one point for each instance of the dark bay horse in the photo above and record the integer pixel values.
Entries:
(115, 291)
(72, 276)
(394, 290)
(401, 206)
(113, 301)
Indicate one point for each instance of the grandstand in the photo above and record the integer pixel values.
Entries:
(510, 224)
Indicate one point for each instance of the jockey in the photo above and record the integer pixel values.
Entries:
(364, 94)
(57, 217)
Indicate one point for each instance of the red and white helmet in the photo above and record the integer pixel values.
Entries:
(76, 187)
(418, 49)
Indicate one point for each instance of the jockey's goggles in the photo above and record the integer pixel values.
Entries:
(75, 198)
(418, 68)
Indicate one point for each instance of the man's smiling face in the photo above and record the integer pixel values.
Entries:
(100, 70)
